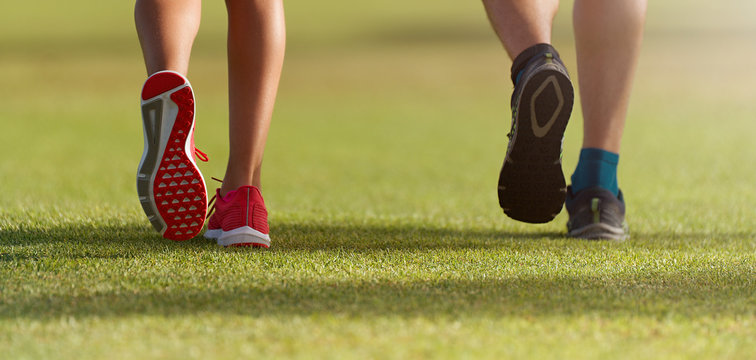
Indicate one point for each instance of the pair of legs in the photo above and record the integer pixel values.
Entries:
(607, 37)
(256, 42)
(608, 40)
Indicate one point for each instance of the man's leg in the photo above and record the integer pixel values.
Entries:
(531, 184)
(608, 37)
(166, 30)
(521, 24)
(256, 42)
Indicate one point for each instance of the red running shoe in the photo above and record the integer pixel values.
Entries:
(239, 218)
(170, 186)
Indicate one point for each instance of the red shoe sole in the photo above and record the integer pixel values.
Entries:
(171, 188)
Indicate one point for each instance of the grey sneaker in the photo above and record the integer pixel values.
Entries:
(531, 183)
(595, 213)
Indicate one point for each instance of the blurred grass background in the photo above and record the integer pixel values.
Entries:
(380, 174)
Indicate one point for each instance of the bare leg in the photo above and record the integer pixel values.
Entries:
(167, 29)
(521, 24)
(608, 36)
(256, 42)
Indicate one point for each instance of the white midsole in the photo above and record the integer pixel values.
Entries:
(241, 235)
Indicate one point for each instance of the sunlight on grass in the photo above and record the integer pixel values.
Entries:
(388, 241)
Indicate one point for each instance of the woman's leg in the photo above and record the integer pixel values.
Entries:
(256, 43)
(167, 29)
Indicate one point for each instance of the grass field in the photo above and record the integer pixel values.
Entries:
(380, 179)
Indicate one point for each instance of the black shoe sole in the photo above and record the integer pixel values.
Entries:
(532, 188)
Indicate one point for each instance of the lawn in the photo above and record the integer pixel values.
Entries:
(380, 179)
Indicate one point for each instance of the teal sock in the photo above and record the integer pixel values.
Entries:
(596, 167)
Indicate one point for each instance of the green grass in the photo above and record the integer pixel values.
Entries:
(379, 175)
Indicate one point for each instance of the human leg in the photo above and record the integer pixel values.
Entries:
(166, 30)
(171, 189)
(521, 24)
(531, 185)
(256, 43)
(608, 38)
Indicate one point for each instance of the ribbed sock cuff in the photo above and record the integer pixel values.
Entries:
(596, 167)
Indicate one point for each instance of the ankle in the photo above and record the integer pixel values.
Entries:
(229, 186)
(596, 168)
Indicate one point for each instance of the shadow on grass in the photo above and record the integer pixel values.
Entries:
(140, 238)
(695, 291)
(286, 237)
(672, 295)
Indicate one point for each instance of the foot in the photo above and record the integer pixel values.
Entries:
(170, 186)
(595, 213)
(239, 219)
(531, 184)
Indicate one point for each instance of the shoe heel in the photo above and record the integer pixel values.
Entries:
(171, 189)
(531, 185)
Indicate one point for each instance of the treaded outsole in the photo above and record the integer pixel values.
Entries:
(170, 186)
(532, 187)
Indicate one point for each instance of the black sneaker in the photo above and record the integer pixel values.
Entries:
(595, 213)
(531, 184)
